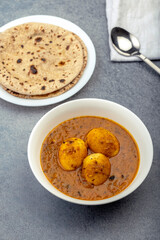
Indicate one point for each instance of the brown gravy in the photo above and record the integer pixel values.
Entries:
(124, 166)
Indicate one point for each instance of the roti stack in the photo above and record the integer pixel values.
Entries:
(40, 60)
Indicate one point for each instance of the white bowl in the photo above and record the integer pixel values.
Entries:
(91, 107)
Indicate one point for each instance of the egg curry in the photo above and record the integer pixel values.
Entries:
(90, 158)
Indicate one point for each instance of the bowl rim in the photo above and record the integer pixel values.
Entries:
(65, 197)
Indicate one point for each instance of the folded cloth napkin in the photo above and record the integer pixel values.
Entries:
(142, 19)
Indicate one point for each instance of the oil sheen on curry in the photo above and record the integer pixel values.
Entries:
(90, 158)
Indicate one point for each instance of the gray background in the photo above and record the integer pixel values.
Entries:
(27, 210)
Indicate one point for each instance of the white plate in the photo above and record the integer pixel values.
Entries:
(87, 72)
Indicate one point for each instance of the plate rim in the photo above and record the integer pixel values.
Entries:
(91, 62)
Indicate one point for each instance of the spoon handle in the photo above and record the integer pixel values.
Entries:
(151, 64)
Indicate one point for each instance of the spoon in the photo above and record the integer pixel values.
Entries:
(128, 45)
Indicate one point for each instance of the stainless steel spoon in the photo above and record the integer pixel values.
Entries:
(128, 45)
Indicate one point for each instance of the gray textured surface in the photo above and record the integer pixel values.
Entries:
(27, 210)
